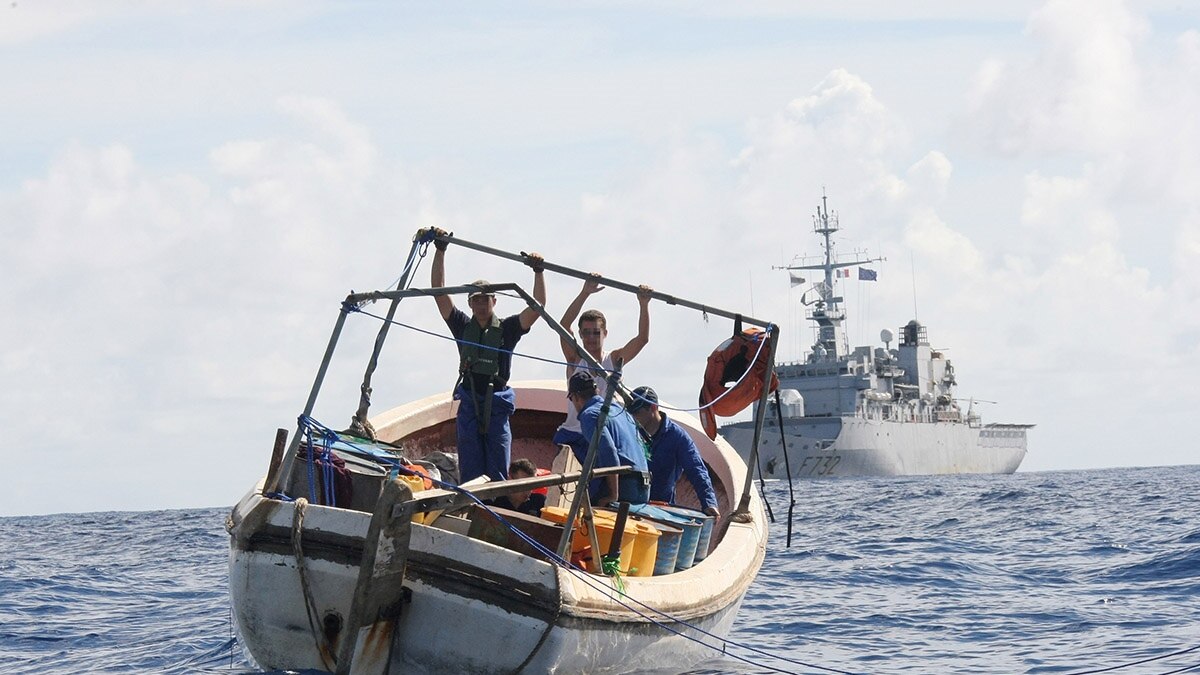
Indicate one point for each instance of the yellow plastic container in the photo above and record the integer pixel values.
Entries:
(645, 547)
(415, 483)
(605, 524)
(639, 542)
(557, 514)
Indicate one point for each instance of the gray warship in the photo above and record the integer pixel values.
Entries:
(873, 411)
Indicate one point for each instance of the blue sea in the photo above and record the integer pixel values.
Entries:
(1062, 572)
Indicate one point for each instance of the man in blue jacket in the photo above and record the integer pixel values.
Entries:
(619, 444)
(672, 453)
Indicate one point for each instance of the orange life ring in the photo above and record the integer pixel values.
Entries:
(726, 365)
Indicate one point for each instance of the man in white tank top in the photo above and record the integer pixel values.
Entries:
(593, 329)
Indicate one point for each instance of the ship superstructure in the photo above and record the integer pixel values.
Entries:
(870, 411)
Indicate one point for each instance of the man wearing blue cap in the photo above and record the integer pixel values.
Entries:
(672, 452)
(619, 444)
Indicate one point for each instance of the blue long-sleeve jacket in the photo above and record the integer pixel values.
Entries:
(620, 444)
(672, 453)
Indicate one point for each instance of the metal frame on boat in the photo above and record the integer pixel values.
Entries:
(396, 578)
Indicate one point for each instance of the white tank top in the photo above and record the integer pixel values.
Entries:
(572, 422)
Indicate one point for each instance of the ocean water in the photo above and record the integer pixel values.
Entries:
(1063, 572)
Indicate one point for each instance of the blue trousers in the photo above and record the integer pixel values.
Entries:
(478, 455)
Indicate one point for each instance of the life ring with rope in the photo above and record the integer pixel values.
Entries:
(724, 385)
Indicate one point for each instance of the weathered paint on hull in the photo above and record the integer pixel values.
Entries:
(475, 607)
(833, 447)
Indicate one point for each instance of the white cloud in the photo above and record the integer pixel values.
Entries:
(146, 303)
(177, 308)
(1079, 91)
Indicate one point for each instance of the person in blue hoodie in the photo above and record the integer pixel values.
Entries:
(619, 444)
(672, 453)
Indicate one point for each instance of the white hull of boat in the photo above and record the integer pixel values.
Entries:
(832, 447)
(476, 607)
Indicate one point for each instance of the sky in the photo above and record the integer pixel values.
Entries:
(189, 189)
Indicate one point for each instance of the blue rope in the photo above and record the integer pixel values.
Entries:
(1138, 663)
(368, 452)
(312, 486)
(552, 556)
(414, 260)
(327, 474)
(320, 457)
(591, 581)
(761, 343)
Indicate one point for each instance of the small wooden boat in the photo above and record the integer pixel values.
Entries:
(401, 574)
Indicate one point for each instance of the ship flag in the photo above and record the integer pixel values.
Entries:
(865, 274)
(796, 281)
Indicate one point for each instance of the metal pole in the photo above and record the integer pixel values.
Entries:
(581, 490)
(613, 381)
(787, 465)
(357, 298)
(289, 458)
(359, 422)
(743, 510)
(607, 281)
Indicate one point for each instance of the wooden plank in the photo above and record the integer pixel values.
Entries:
(276, 458)
(379, 597)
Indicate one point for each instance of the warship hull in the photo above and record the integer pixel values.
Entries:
(834, 447)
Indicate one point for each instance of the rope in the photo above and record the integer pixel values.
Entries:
(1184, 669)
(594, 583)
(321, 457)
(415, 256)
(605, 371)
(312, 487)
(611, 566)
(591, 581)
(1138, 663)
(553, 557)
(310, 609)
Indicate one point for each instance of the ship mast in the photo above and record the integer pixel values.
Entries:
(832, 343)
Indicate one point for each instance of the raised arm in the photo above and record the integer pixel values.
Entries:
(637, 342)
(590, 286)
(529, 315)
(437, 276)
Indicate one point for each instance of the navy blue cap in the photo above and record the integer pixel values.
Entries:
(642, 397)
(581, 382)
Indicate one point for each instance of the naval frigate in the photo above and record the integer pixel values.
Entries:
(873, 411)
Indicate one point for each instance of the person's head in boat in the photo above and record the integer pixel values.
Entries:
(580, 389)
(592, 326)
(482, 302)
(593, 329)
(521, 468)
(643, 406)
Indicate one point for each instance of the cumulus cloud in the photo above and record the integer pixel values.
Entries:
(177, 314)
(1077, 93)
(145, 302)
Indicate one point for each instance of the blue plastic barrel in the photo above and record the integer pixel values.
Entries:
(668, 546)
(707, 523)
(691, 531)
